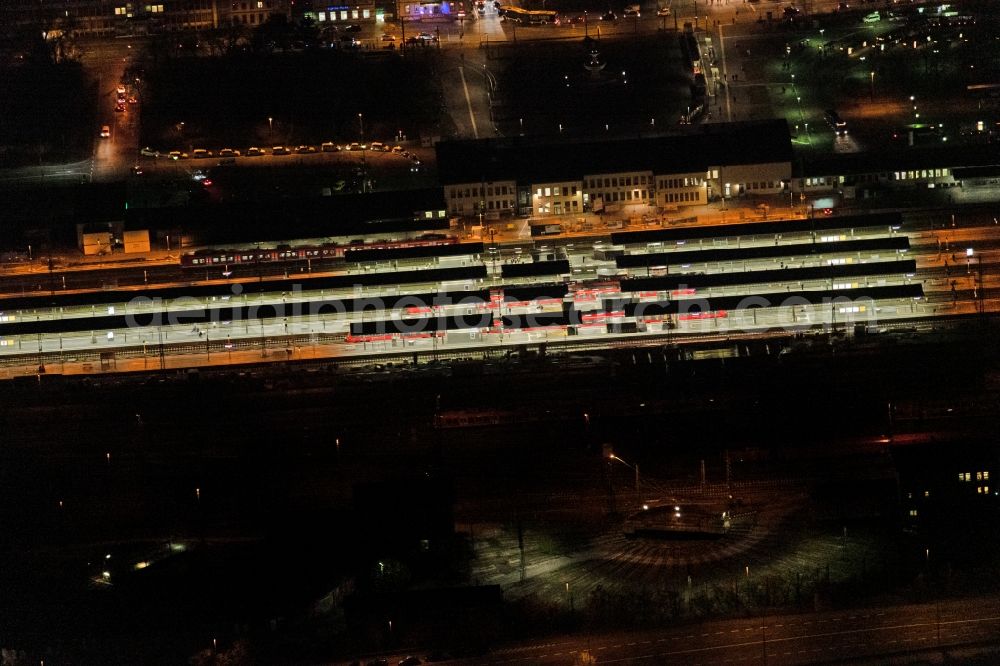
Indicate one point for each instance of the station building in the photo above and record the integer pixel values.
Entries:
(540, 176)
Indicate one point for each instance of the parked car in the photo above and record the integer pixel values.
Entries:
(105, 131)
(305, 150)
(149, 152)
(609, 16)
(119, 107)
(378, 147)
(663, 11)
(353, 28)
(254, 151)
(329, 147)
(397, 149)
(177, 155)
(426, 37)
(409, 661)
(280, 150)
(201, 153)
(229, 152)
(836, 123)
(357, 146)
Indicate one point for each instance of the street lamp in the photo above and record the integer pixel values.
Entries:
(270, 127)
(634, 468)
(873, 85)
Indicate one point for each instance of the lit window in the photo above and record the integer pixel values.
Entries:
(321, 16)
(354, 13)
(927, 493)
(119, 11)
(366, 13)
(986, 476)
(913, 513)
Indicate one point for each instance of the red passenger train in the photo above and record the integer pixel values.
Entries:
(212, 257)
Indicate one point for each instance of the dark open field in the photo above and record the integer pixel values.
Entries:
(545, 83)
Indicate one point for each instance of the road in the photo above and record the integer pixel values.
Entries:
(106, 61)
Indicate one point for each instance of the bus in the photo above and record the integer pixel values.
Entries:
(527, 17)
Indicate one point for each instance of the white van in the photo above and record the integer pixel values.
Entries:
(632, 10)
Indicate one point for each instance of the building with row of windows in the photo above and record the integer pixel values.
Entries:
(108, 18)
(328, 13)
(540, 176)
(909, 169)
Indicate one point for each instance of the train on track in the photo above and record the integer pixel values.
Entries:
(285, 253)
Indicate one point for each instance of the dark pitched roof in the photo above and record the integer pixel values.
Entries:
(899, 159)
(548, 158)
